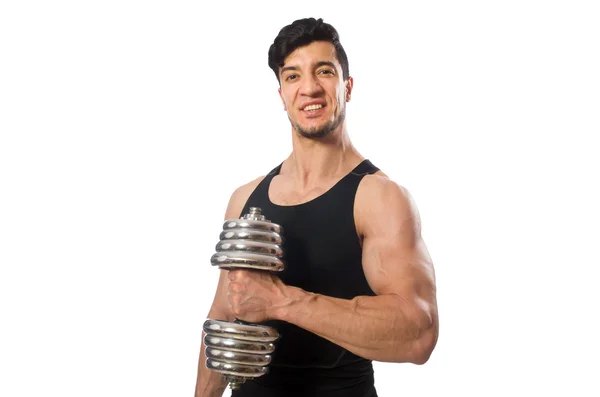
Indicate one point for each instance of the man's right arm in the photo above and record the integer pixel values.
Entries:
(210, 383)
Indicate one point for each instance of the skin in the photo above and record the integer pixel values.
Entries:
(400, 323)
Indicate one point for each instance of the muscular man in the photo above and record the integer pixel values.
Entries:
(358, 283)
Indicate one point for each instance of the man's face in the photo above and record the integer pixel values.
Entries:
(313, 91)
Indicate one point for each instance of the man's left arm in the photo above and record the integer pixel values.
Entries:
(399, 324)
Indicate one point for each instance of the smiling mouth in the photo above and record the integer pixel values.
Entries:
(312, 108)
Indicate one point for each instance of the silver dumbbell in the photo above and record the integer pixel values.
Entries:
(238, 350)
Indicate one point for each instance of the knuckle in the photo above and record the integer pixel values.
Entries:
(245, 274)
(235, 287)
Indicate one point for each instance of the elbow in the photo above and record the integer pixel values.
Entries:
(424, 337)
(415, 351)
(421, 357)
(423, 346)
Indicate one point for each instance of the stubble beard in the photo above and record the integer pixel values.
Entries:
(322, 131)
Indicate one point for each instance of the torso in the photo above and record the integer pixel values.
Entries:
(322, 255)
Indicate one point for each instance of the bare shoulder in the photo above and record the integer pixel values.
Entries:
(382, 203)
(239, 197)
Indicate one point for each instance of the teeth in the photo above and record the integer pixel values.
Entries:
(313, 107)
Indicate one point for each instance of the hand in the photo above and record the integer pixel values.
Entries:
(253, 294)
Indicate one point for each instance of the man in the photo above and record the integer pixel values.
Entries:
(358, 283)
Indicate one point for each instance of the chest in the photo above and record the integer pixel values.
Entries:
(322, 248)
(322, 252)
(284, 191)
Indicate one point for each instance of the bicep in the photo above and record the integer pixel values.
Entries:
(395, 257)
(392, 267)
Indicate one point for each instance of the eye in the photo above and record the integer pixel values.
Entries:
(326, 71)
(291, 77)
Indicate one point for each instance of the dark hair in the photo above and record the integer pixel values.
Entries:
(303, 32)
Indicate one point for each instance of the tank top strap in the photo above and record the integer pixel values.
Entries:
(262, 188)
(348, 186)
(261, 191)
(275, 171)
(365, 167)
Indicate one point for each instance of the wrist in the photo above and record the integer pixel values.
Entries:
(290, 301)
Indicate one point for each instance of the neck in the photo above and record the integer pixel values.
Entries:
(317, 159)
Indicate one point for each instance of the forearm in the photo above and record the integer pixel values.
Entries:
(382, 328)
(209, 383)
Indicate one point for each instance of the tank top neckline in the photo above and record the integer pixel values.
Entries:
(276, 171)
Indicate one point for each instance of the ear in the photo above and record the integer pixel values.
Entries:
(282, 101)
(349, 86)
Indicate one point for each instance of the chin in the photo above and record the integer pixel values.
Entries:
(318, 130)
(314, 133)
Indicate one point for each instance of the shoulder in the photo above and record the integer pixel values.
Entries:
(379, 187)
(244, 191)
(239, 197)
(381, 202)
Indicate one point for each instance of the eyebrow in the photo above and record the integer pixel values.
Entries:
(316, 65)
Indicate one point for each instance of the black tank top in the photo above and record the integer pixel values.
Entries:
(323, 255)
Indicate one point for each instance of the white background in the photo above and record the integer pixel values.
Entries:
(125, 126)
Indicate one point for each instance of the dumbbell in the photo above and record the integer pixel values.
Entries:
(238, 350)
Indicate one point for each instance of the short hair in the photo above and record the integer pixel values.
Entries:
(303, 32)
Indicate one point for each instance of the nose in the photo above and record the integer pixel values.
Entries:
(310, 85)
